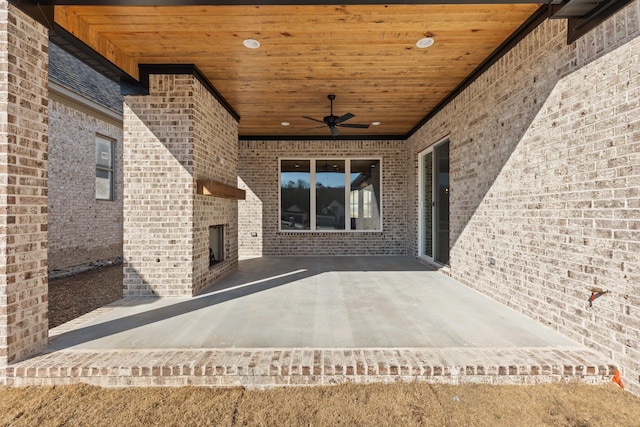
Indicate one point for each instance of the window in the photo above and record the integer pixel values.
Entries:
(295, 196)
(104, 168)
(365, 194)
(330, 206)
(330, 195)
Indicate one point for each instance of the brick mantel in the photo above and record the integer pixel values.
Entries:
(218, 189)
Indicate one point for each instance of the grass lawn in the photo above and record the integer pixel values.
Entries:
(408, 404)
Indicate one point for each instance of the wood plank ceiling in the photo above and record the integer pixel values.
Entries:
(364, 54)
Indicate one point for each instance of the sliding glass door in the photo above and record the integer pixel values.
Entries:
(434, 203)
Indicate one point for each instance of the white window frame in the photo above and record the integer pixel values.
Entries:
(312, 197)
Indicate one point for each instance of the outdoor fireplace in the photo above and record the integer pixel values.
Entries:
(216, 244)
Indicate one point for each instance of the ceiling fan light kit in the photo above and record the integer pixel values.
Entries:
(333, 122)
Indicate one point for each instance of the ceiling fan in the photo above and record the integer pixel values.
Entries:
(334, 121)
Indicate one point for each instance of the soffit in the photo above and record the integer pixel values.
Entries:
(364, 54)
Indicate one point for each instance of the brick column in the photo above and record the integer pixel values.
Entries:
(177, 134)
(23, 185)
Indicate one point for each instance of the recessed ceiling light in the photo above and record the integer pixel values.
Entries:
(425, 42)
(285, 123)
(376, 124)
(251, 43)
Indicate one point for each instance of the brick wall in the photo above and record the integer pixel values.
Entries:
(173, 136)
(260, 213)
(81, 228)
(23, 185)
(545, 178)
(215, 152)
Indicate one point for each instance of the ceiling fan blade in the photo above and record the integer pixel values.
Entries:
(315, 127)
(344, 118)
(354, 125)
(311, 118)
(334, 131)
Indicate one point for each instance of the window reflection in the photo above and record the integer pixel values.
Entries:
(295, 194)
(365, 194)
(330, 194)
(330, 208)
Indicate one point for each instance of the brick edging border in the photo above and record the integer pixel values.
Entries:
(280, 367)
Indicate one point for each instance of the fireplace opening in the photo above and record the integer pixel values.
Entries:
(216, 244)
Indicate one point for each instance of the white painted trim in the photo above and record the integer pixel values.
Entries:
(312, 197)
(347, 196)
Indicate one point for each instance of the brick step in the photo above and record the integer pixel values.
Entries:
(278, 367)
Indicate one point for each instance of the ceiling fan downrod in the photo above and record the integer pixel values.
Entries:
(331, 98)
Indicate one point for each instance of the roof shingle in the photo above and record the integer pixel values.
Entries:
(73, 74)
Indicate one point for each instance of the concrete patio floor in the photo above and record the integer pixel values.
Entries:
(324, 302)
(312, 320)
